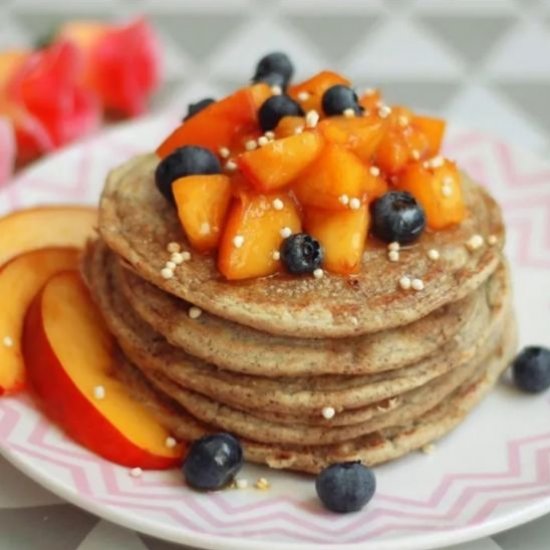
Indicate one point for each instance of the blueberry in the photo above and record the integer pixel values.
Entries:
(531, 369)
(301, 253)
(213, 461)
(345, 487)
(184, 161)
(397, 217)
(276, 62)
(275, 108)
(194, 108)
(339, 98)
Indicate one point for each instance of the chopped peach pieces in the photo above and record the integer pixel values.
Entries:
(217, 125)
(437, 187)
(290, 126)
(433, 129)
(255, 228)
(279, 162)
(371, 100)
(361, 135)
(309, 94)
(342, 235)
(202, 203)
(334, 180)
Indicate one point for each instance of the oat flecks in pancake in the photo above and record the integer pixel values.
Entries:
(371, 449)
(137, 223)
(242, 349)
(300, 394)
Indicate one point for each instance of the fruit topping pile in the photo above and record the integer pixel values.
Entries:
(294, 178)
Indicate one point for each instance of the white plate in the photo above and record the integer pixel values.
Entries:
(490, 474)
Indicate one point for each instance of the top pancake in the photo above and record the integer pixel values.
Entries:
(137, 223)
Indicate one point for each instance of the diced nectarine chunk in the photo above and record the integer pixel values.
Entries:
(359, 134)
(399, 147)
(342, 235)
(309, 94)
(289, 126)
(279, 162)
(253, 232)
(437, 187)
(333, 180)
(217, 125)
(202, 203)
(433, 129)
(371, 100)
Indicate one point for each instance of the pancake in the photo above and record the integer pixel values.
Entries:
(246, 424)
(242, 349)
(137, 223)
(151, 352)
(371, 449)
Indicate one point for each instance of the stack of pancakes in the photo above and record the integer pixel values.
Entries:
(305, 371)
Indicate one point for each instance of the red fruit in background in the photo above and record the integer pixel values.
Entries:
(10, 61)
(7, 150)
(121, 63)
(48, 107)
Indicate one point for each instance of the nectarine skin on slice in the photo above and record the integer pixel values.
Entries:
(20, 281)
(45, 227)
(342, 235)
(253, 233)
(68, 352)
(279, 162)
(202, 202)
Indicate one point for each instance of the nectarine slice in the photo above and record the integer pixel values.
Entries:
(45, 227)
(342, 235)
(437, 187)
(254, 232)
(279, 162)
(202, 202)
(333, 180)
(20, 281)
(69, 353)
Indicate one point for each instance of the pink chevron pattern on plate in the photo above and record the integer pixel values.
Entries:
(492, 473)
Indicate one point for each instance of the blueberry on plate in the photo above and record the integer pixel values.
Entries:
(397, 217)
(212, 462)
(194, 108)
(301, 253)
(274, 63)
(339, 98)
(184, 161)
(345, 487)
(275, 108)
(531, 369)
